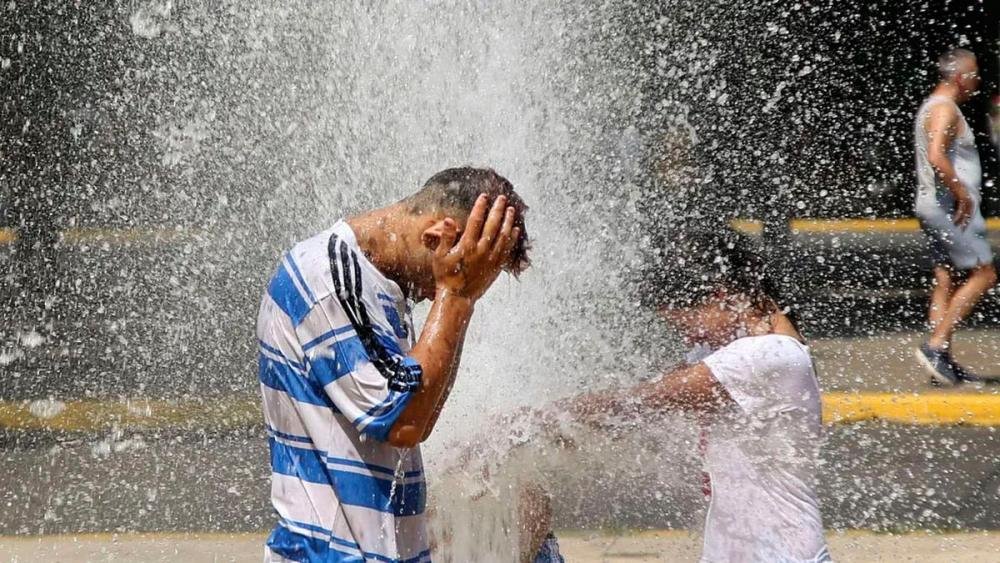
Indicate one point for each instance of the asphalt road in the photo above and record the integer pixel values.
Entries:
(873, 476)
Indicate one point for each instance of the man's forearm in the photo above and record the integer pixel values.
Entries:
(949, 177)
(437, 351)
(597, 407)
(447, 391)
(689, 387)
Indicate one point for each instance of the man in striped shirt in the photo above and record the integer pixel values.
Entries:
(347, 394)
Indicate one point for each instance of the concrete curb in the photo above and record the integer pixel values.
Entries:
(921, 409)
(47, 415)
(753, 227)
(664, 533)
(579, 546)
(142, 414)
(114, 236)
(747, 226)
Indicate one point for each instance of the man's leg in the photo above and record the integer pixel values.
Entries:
(535, 523)
(964, 299)
(941, 291)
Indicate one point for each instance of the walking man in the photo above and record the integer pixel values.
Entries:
(947, 205)
(347, 400)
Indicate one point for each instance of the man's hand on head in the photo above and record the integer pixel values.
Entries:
(463, 271)
(468, 268)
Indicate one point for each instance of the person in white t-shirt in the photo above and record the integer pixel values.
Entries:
(756, 395)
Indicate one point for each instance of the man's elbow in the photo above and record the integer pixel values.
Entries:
(406, 436)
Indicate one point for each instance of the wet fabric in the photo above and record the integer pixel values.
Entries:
(334, 334)
(961, 248)
(958, 248)
(761, 457)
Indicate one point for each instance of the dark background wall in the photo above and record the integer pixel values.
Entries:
(819, 99)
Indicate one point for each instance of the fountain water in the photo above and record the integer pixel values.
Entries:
(210, 136)
(312, 112)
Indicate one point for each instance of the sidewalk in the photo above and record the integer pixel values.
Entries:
(577, 547)
(674, 545)
(886, 362)
(878, 377)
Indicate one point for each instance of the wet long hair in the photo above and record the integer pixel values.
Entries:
(687, 267)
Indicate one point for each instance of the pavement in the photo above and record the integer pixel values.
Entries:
(845, 547)
(877, 378)
(576, 546)
(899, 455)
(885, 363)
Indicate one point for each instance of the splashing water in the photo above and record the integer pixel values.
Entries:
(408, 89)
(486, 480)
(228, 130)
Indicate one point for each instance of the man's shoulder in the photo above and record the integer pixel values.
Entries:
(777, 370)
(938, 106)
(312, 255)
(317, 243)
(304, 275)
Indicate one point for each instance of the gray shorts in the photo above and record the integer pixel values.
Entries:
(955, 247)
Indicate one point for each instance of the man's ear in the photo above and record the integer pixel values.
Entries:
(431, 236)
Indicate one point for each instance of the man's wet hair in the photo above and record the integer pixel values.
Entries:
(455, 191)
(686, 268)
(949, 62)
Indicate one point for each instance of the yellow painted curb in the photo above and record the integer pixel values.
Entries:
(111, 537)
(747, 226)
(921, 409)
(752, 227)
(934, 409)
(113, 236)
(92, 415)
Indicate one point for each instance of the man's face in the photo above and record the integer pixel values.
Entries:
(967, 79)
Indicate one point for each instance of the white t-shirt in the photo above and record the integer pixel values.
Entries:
(761, 457)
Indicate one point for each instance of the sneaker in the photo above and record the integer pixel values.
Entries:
(960, 372)
(549, 551)
(936, 363)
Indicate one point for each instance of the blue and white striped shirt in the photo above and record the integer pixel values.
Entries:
(334, 374)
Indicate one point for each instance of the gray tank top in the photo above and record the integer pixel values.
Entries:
(962, 153)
